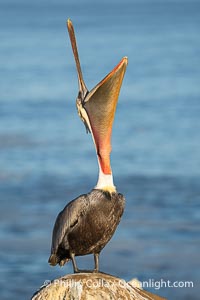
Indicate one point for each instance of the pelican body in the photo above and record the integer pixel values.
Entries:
(87, 223)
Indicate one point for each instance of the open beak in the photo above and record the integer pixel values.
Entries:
(97, 107)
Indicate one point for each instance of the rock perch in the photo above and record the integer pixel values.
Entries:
(92, 286)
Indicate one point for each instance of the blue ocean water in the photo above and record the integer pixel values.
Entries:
(46, 159)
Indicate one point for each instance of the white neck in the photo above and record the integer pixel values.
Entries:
(105, 181)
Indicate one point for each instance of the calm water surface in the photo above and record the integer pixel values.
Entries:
(46, 159)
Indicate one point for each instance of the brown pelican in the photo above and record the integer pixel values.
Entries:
(87, 223)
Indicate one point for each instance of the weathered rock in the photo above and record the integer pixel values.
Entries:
(88, 286)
